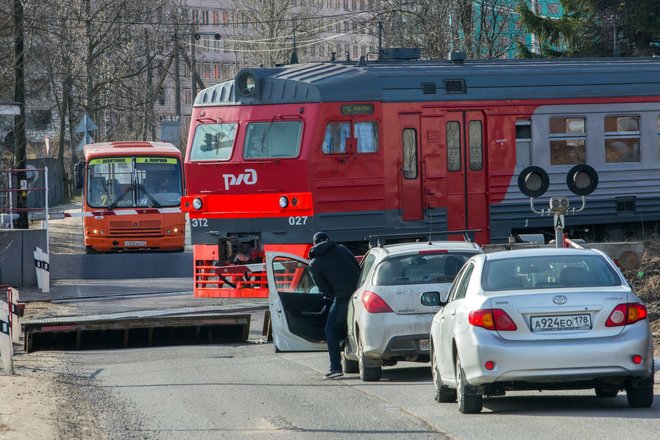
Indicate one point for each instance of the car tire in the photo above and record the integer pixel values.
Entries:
(441, 392)
(468, 401)
(640, 395)
(367, 374)
(606, 391)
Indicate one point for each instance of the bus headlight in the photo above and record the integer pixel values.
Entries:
(284, 202)
(197, 204)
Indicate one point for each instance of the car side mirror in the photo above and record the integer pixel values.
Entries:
(434, 299)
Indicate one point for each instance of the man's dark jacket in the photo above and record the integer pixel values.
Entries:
(334, 269)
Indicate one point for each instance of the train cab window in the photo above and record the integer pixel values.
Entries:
(213, 141)
(622, 139)
(523, 142)
(568, 139)
(268, 140)
(366, 134)
(476, 146)
(453, 146)
(336, 134)
(409, 153)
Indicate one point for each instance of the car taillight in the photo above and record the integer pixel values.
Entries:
(625, 314)
(374, 303)
(492, 319)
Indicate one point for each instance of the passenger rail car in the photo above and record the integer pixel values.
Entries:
(408, 148)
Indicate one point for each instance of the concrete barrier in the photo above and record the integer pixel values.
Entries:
(16, 255)
(121, 266)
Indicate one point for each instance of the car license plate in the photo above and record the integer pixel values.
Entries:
(135, 243)
(424, 344)
(561, 323)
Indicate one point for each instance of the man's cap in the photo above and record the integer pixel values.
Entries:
(319, 237)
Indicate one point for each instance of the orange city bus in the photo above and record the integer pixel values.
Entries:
(131, 196)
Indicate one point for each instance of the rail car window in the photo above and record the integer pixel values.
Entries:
(523, 142)
(476, 145)
(409, 153)
(366, 134)
(453, 146)
(336, 134)
(622, 139)
(265, 140)
(213, 141)
(567, 140)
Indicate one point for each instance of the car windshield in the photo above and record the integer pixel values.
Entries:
(548, 272)
(420, 268)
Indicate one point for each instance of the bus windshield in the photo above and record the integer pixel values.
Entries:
(133, 182)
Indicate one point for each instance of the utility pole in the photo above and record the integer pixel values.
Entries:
(19, 121)
(193, 71)
(177, 78)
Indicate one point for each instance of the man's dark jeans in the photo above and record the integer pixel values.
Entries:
(335, 331)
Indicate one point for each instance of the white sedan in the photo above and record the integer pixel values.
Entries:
(388, 317)
(541, 319)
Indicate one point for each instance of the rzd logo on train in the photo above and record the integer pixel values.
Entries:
(249, 177)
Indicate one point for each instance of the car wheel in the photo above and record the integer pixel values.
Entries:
(640, 395)
(468, 401)
(607, 390)
(442, 393)
(367, 374)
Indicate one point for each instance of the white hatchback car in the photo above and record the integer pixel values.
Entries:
(388, 321)
(541, 319)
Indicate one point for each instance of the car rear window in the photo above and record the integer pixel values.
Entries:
(549, 272)
(420, 268)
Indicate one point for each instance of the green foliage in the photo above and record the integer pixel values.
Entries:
(595, 28)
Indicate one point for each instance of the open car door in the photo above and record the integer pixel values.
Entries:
(298, 311)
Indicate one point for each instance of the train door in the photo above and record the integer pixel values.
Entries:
(467, 197)
(410, 194)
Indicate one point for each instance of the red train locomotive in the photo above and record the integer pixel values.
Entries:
(408, 148)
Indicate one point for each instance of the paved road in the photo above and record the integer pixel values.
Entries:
(245, 391)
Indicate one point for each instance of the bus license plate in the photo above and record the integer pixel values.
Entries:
(561, 323)
(135, 243)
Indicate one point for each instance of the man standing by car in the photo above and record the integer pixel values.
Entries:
(335, 271)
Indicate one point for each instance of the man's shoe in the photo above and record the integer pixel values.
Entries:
(333, 374)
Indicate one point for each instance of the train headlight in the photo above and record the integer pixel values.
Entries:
(246, 83)
(582, 179)
(533, 181)
(284, 202)
(197, 203)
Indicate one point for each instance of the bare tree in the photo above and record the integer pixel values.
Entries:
(481, 29)
(264, 30)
